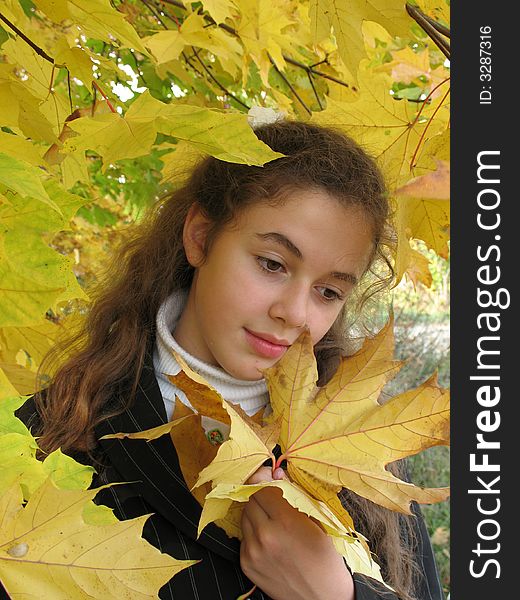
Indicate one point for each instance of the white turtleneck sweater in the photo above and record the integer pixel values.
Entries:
(250, 395)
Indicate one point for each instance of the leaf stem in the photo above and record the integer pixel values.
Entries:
(247, 594)
(279, 462)
(109, 104)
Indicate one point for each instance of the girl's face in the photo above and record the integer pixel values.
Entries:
(273, 272)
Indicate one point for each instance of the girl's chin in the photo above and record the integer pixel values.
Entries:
(249, 372)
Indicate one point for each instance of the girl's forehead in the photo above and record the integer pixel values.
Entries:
(313, 209)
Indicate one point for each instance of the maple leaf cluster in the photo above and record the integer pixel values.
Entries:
(332, 437)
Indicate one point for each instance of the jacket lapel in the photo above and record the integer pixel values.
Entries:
(154, 466)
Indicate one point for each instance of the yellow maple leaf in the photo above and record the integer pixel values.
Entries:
(35, 277)
(225, 135)
(412, 263)
(22, 110)
(346, 19)
(220, 10)
(264, 31)
(48, 551)
(346, 541)
(342, 437)
(339, 435)
(248, 447)
(76, 60)
(334, 437)
(167, 46)
(423, 210)
(97, 19)
(390, 130)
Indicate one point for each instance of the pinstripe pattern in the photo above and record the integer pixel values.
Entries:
(156, 487)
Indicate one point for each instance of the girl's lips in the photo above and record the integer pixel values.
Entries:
(265, 347)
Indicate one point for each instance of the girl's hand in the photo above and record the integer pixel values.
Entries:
(285, 553)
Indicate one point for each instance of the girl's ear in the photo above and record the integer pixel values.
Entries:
(194, 235)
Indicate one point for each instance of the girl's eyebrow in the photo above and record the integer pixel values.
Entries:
(348, 277)
(284, 241)
(279, 238)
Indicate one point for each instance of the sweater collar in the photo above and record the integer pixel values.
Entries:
(251, 395)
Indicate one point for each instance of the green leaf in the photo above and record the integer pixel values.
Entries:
(21, 177)
(66, 472)
(19, 148)
(19, 463)
(9, 423)
(97, 19)
(346, 19)
(33, 276)
(225, 135)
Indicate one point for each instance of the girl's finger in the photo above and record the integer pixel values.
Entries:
(261, 475)
(271, 501)
(246, 525)
(279, 473)
(255, 512)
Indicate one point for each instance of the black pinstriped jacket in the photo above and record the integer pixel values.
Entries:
(158, 487)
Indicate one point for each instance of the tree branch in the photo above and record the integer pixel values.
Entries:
(171, 15)
(431, 27)
(314, 72)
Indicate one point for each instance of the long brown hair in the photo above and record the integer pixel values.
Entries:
(109, 352)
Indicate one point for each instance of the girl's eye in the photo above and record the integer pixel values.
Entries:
(270, 265)
(329, 294)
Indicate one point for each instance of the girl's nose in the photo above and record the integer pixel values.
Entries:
(291, 308)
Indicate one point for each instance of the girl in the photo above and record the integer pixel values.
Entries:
(228, 272)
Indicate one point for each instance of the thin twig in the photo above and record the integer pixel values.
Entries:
(152, 10)
(39, 51)
(222, 87)
(52, 80)
(290, 86)
(174, 3)
(314, 90)
(435, 24)
(172, 16)
(321, 62)
(188, 61)
(69, 91)
(412, 161)
(291, 61)
(417, 116)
